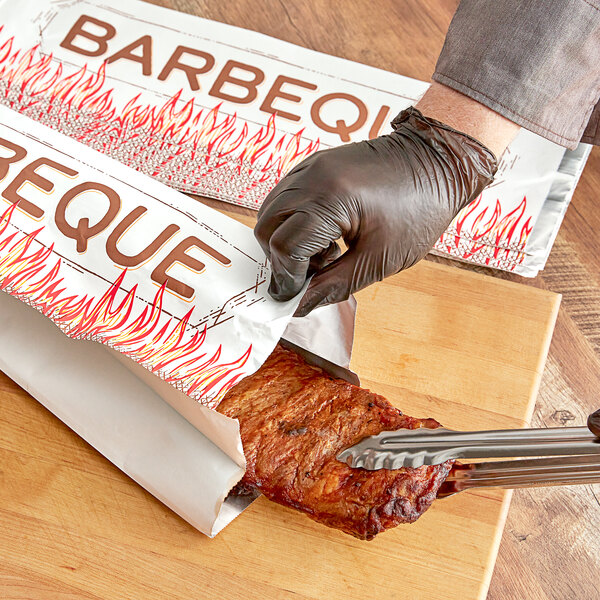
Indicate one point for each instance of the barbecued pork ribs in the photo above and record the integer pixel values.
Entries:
(295, 419)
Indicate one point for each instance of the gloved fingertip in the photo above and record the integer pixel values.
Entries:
(309, 302)
(280, 290)
(278, 294)
(273, 287)
(303, 309)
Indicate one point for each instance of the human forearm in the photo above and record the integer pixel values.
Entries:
(469, 116)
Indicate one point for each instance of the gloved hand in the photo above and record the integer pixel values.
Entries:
(389, 198)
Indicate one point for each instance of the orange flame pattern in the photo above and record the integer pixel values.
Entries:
(161, 346)
(490, 239)
(192, 149)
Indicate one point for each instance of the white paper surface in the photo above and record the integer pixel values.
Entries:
(83, 384)
(192, 103)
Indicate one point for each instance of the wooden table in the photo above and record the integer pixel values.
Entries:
(550, 548)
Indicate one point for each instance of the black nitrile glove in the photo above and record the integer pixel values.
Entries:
(389, 198)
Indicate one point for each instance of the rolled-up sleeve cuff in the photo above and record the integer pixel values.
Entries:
(535, 62)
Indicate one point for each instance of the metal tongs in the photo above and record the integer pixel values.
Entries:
(575, 453)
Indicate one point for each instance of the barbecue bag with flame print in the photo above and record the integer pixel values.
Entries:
(224, 112)
(175, 292)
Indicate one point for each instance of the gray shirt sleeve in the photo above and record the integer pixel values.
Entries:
(536, 62)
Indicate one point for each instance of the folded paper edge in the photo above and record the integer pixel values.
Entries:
(165, 457)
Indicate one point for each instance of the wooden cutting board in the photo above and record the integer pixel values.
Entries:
(438, 341)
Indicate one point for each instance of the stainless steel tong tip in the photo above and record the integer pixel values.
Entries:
(418, 447)
(379, 452)
(569, 455)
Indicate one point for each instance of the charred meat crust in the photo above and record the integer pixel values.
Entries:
(295, 419)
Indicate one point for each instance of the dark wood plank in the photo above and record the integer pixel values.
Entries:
(551, 536)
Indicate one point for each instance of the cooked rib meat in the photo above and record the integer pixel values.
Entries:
(295, 419)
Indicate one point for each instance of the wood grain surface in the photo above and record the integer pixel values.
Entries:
(550, 548)
(435, 340)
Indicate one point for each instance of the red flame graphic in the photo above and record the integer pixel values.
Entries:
(164, 347)
(193, 149)
(487, 237)
(207, 151)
